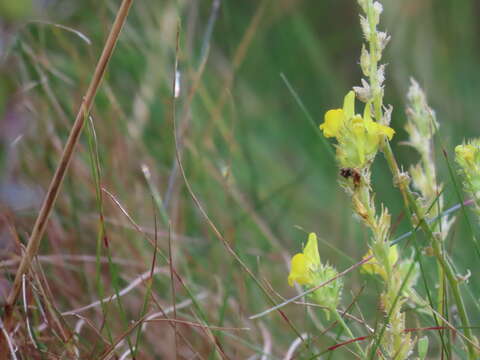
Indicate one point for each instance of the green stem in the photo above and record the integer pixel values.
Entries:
(441, 289)
(449, 272)
(373, 75)
(340, 320)
(411, 204)
(408, 198)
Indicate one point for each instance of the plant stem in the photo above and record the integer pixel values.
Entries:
(75, 132)
(340, 320)
(411, 204)
(399, 180)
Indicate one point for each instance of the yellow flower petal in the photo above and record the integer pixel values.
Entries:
(299, 270)
(311, 251)
(357, 125)
(349, 104)
(393, 255)
(367, 111)
(466, 152)
(387, 131)
(376, 129)
(333, 121)
(373, 267)
(304, 264)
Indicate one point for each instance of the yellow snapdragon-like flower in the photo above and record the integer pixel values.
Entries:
(374, 268)
(334, 119)
(306, 269)
(358, 136)
(303, 265)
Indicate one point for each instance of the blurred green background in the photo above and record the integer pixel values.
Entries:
(258, 166)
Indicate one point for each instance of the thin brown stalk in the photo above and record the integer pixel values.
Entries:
(237, 61)
(165, 258)
(45, 293)
(172, 283)
(108, 352)
(243, 202)
(204, 214)
(208, 333)
(194, 324)
(56, 182)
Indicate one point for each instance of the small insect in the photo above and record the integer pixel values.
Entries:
(348, 173)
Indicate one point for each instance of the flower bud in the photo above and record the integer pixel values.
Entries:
(365, 61)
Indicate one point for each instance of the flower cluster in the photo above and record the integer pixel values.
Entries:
(372, 89)
(467, 157)
(306, 269)
(358, 137)
(422, 123)
(421, 127)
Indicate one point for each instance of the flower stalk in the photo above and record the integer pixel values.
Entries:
(358, 140)
(373, 91)
(421, 127)
(395, 342)
(339, 318)
(306, 269)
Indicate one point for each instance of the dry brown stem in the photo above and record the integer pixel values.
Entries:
(56, 182)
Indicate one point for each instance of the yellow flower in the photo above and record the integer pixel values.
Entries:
(466, 153)
(358, 137)
(303, 265)
(467, 157)
(377, 129)
(306, 269)
(374, 267)
(334, 119)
